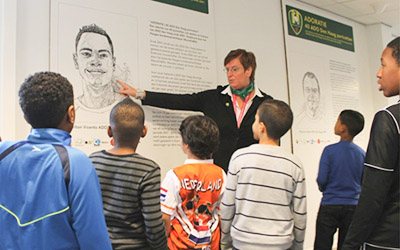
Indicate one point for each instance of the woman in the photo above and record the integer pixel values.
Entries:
(232, 107)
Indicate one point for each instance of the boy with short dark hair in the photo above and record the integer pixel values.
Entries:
(339, 179)
(264, 206)
(191, 193)
(49, 192)
(130, 183)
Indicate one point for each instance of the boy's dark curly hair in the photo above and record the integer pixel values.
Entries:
(45, 98)
(201, 134)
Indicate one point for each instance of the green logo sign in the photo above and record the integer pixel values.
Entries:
(295, 21)
(306, 25)
(196, 5)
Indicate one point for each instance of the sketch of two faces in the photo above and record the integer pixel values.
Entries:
(94, 58)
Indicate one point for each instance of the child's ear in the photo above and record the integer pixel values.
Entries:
(262, 127)
(344, 128)
(185, 148)
(109, 131)
(71, 114)
(144, 132)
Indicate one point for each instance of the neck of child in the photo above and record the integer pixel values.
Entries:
(265, 140)
(195, 158)
(346, 137)
(190, 155)
(122, 150)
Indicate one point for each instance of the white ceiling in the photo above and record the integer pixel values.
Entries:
(364, 11)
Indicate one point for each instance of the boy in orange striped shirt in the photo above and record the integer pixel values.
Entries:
(191, 193)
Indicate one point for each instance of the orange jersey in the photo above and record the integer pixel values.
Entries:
(191, 194)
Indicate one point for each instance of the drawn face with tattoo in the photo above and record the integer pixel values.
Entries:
(95, 60)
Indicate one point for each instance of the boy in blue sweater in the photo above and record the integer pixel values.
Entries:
(339, 179)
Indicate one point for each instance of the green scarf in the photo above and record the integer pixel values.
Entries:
(242, 93)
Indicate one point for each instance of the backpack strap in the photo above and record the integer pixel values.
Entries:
(11, 148)
(63, 154)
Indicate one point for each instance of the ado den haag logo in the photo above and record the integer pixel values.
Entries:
(295, 21)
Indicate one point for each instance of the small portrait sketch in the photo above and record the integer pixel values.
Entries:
(95, 61)
(312, 111)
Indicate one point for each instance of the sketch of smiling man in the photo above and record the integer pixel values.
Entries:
(312, 95)
(94, 58)
(311, 115)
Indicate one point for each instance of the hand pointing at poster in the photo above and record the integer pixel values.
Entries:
(232, 107)
(128, 90)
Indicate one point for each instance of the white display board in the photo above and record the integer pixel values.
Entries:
(153, 49)
(323, 80)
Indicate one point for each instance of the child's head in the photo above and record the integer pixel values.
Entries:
(127, 122)
(350, 119)
(201, 134)
(276, 116)
(46, 98)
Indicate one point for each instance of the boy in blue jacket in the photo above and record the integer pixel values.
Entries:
(339, 179)
(49, 192)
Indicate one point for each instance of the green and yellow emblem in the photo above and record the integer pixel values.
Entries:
(295, 21)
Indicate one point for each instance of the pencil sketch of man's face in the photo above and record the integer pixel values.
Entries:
(311, 93)
(94, 60)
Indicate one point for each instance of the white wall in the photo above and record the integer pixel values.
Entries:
(2, 20)
(253, 25)
(32, 48)
(24, 51)
(8, 24)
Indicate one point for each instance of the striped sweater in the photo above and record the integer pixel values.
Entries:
(264, 205)
(130, 186)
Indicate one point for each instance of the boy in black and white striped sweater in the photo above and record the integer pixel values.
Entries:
(130, 183)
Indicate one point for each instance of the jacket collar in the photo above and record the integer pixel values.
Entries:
(49, 135)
